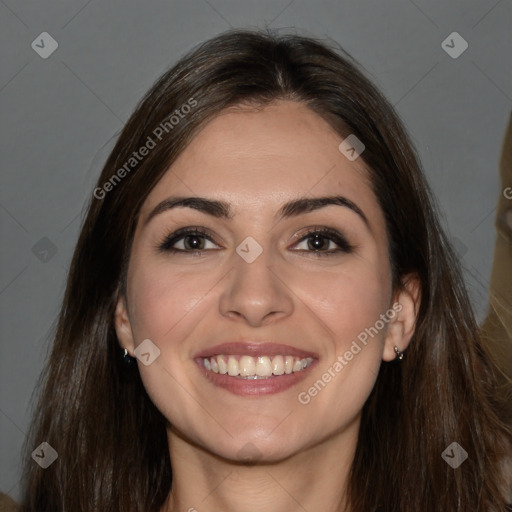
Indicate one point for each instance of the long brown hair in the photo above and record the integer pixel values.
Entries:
(110, 438)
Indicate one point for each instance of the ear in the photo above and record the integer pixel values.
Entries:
(123, 326)
(406, 304)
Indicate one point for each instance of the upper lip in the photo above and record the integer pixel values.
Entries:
(254, 348)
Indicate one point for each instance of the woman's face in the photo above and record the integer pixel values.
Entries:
(268, 284)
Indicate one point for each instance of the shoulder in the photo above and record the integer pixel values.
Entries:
(7, 504)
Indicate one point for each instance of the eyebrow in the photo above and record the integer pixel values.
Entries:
(222, 210)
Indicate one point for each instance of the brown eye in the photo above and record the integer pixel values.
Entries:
(187, 240)
(320, 241)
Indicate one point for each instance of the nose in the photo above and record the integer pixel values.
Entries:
(256, 293)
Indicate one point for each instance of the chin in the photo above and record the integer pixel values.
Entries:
(252, 450)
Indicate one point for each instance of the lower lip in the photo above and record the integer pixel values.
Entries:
(255, 387)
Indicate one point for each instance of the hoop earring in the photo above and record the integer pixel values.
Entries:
(399, 355)
(127, 359)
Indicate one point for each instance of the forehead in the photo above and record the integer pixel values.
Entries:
(263, 157)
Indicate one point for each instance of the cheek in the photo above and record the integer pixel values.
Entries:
(349, 307)
(162, 299)
(166, 308)
(349, 301)
(349, 304)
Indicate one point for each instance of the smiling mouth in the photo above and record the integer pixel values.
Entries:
(260, 367)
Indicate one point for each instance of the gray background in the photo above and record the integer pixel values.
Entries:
(60, 115)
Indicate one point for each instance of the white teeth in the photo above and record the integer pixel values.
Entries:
(223, 367)
(248, 367)
(263, 367)
(278, 365)
(288, 364)
(232, 366)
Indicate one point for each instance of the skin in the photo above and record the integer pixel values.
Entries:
(257, 160)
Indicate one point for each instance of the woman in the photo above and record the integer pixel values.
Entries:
(263, 250)
(497, 328)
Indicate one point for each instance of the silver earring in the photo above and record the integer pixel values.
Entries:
(399, 355)
(128, 360)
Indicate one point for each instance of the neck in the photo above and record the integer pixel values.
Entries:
(312, 479)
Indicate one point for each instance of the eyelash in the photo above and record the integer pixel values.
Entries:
(330, 234)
